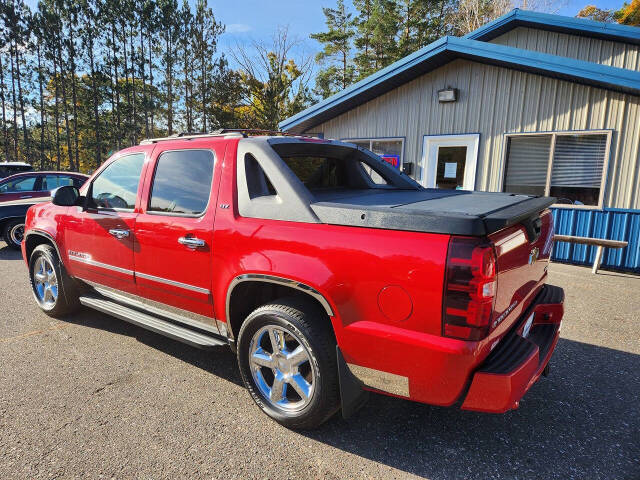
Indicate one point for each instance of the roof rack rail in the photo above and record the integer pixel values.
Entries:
(244, 132)
(183, 136)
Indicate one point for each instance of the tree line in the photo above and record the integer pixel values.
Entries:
(80, 79)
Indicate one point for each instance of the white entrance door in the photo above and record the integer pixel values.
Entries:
(449, 161)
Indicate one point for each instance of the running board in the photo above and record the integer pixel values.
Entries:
(155, 324)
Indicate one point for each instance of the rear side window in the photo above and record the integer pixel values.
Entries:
(117, 185)
(182, 182)
(51, 182)
(373, 175)
(258, 184)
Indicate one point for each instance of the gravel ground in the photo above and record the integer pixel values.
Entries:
(94, 397)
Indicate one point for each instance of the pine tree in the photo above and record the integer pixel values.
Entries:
(339, 72)
(224, 107)
(4, 38)
(184, 46)
(205, 33)
(169, 33)
(364, 58)
(90, 33)
(421, 23)
(378, 25)
(37, 42)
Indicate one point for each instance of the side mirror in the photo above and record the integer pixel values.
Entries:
(66, 196)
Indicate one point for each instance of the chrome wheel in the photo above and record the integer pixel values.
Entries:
(16, 234)
(281, 367)
(45, 282)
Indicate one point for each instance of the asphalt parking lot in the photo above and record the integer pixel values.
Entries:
(94, 397)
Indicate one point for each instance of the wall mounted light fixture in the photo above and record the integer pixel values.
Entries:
(447, 95)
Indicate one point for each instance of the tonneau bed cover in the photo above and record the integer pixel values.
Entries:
(454, 212)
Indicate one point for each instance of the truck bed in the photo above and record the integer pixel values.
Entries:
(453, 212)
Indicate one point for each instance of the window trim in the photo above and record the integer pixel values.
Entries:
(153, 179)
(429, 165)
(374, 139)
(554, 135)
(106, 165)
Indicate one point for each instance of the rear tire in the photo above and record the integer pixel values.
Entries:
(295, 382)
(54, 290)
(13, 233)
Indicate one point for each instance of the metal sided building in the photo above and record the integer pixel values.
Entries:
(529, 103)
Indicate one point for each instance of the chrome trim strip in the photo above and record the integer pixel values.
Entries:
(86, 258)
(383, 381)
(173, 283)
(157, 308)
(258, 277)
(76, 257)
(26, 201)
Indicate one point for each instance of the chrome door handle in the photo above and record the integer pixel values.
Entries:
(118, 233)
(191, 242)
(26, 196)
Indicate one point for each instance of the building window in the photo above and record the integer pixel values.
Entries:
(389, 149)
(570, 166)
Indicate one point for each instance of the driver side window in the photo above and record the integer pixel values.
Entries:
(116, 187)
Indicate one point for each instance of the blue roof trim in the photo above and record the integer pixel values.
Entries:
(556, 23)
(448, 48)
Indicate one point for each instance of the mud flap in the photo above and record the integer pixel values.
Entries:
(352, 394)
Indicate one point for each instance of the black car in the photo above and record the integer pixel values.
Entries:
(11, 168)
(18, 192)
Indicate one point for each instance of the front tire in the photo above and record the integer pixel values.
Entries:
(287, 359)
(53, 289)
(13, 233)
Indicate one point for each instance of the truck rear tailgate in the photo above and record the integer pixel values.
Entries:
(522, 258)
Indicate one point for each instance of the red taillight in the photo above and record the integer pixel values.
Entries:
(469, 290)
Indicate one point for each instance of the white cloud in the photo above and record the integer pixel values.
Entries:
(238, 28)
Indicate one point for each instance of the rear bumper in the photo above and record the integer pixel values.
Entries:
(517, 362)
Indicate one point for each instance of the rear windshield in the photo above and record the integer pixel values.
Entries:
(319, 172)
(335, 167)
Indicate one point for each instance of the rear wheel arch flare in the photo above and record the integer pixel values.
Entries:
(248, 291)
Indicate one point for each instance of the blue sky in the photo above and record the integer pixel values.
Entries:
(258, 19)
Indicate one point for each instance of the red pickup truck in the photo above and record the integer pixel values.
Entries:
(330, 273)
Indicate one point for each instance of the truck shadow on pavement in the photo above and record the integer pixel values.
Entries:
(219, 361)
(580, 422)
